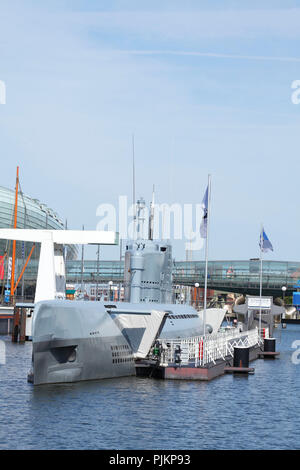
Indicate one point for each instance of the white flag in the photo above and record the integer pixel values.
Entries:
(203, 226)
(264, 242)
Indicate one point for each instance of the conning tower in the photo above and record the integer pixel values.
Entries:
(148, 267)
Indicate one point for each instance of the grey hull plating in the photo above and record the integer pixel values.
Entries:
(60, 361)
(75, 341)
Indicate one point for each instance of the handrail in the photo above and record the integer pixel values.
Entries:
(203, 350)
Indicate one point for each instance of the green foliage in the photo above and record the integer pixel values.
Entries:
(288, 300)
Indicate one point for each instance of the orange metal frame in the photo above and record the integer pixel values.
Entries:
(23, 270)
(14, 242)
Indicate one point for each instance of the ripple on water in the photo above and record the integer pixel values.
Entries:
(259, 411)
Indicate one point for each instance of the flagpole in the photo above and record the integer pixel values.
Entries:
(206, 257)
(133, 190)
(260, 280)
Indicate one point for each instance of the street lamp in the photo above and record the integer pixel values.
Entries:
(196, 285)
(283, 292)
(110, 284)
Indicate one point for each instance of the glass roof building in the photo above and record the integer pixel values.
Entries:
(31, 214)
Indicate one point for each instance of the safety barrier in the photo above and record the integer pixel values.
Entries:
(202, 350)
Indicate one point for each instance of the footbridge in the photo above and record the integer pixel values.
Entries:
(227, 276)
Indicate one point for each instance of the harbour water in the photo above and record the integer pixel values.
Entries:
(260, 411)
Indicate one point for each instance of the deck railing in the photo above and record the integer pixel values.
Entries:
(202, 350)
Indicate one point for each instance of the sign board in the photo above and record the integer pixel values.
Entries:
(7, 295)
(254, 303)
(296, 299)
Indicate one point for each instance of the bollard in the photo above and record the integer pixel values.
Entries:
(22, 332)
(269, 344)
(241, 357)
(16, 326)
(19, 325)
(269, 349)
(240, 361)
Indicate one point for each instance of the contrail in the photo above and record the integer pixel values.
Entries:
(209, 54)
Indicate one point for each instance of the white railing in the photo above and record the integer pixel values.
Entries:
(202, 350)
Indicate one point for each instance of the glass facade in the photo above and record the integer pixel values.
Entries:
(108, 271)
(239, 276)
(231, 276)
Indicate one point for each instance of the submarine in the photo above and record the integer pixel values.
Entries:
(86, 340)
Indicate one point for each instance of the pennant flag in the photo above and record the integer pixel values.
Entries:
(203, 226)
(2, 267)
(264, 243)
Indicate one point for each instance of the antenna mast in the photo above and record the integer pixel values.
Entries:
(140, 218)
(151, 218)
(133, 189)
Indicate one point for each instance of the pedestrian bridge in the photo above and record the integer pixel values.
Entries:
(228, 276)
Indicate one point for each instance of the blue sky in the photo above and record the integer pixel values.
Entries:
(204, 86)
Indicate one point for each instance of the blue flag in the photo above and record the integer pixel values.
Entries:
(264, 243)
(203, 226)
